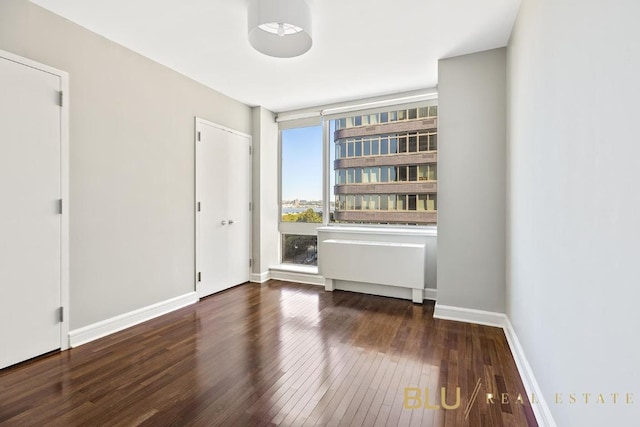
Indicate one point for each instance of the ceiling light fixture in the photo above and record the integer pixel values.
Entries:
(280, 28)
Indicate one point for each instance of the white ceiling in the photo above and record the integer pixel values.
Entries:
(361, 48)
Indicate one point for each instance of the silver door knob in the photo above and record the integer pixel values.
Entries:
(223, 222)
(231, 221)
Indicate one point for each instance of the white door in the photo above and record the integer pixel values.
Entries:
(238, 199)
(30, 220)
(223, 244)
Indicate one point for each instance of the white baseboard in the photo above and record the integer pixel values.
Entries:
(500, 320)
(260, 277)
(540, 409)
(460, 314)
(430, 294)
(106, 327)
(292, 276)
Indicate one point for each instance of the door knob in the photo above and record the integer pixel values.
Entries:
(223, 222)
(231, 221)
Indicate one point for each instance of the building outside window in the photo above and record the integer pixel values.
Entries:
(385, 167)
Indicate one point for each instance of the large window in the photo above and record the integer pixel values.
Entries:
(375, 167)
(301, 182)
(301, 192)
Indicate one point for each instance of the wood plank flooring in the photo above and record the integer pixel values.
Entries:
(276, 354)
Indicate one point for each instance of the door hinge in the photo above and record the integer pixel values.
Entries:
(250, 262)
(60, 206)
(61, 98)
(249, 150)
(61, 314)
(198, 135)
(249, 205)
(198, 206)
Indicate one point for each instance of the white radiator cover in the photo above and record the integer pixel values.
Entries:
(374, 259)
(374, 262)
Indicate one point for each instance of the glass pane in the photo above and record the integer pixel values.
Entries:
(413, 113)
(422, 202)
(401, 202)
(411, 202)
(433, 172)
(351, 202)
(424, 142)
(433, 111)
(384, 117)
(350, 148)
(433, 141)
(384, 174)
(358, 149)
(358, 176)
(432, 203)
(358, 205)
(298, 249)
(393, 145)
(357, 120)
(402, 115)
(366, 145)
(374, 146)
(423, 172)
(373, 177)
(343, 176)
(365, 175)
(365, 120)
(392, 202)
(384, 202)
(393, 116)
(351, 176)
(401, 172)
(373, 202)
(413, 144)
(301, 178)
(413, 173)
(423, 112)
(384, 145)
(402, 144)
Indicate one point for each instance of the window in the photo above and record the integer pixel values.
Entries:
(301, 183)
(301, 190)
(299, 249)
(380, 167)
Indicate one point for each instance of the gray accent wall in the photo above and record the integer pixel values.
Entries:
(131, 162)
(471, 181)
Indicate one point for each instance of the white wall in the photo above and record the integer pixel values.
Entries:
(131, 161)
(265, 192)
(471, 181)
(573, 282)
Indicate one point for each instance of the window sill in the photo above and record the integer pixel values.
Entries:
(377, 230)
(295, 268)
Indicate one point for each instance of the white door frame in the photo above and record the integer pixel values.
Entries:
(197, 121)
(64, 182)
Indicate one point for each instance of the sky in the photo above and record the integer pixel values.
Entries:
(302, 163)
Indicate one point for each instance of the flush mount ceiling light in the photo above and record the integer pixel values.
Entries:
(280, 28)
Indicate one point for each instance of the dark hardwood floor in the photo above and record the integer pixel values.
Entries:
(276, 354)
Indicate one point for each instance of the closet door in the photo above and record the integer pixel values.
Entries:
(30, 220)
(238, 198)
(223, 227)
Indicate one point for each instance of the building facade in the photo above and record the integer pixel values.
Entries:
(386, 167)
